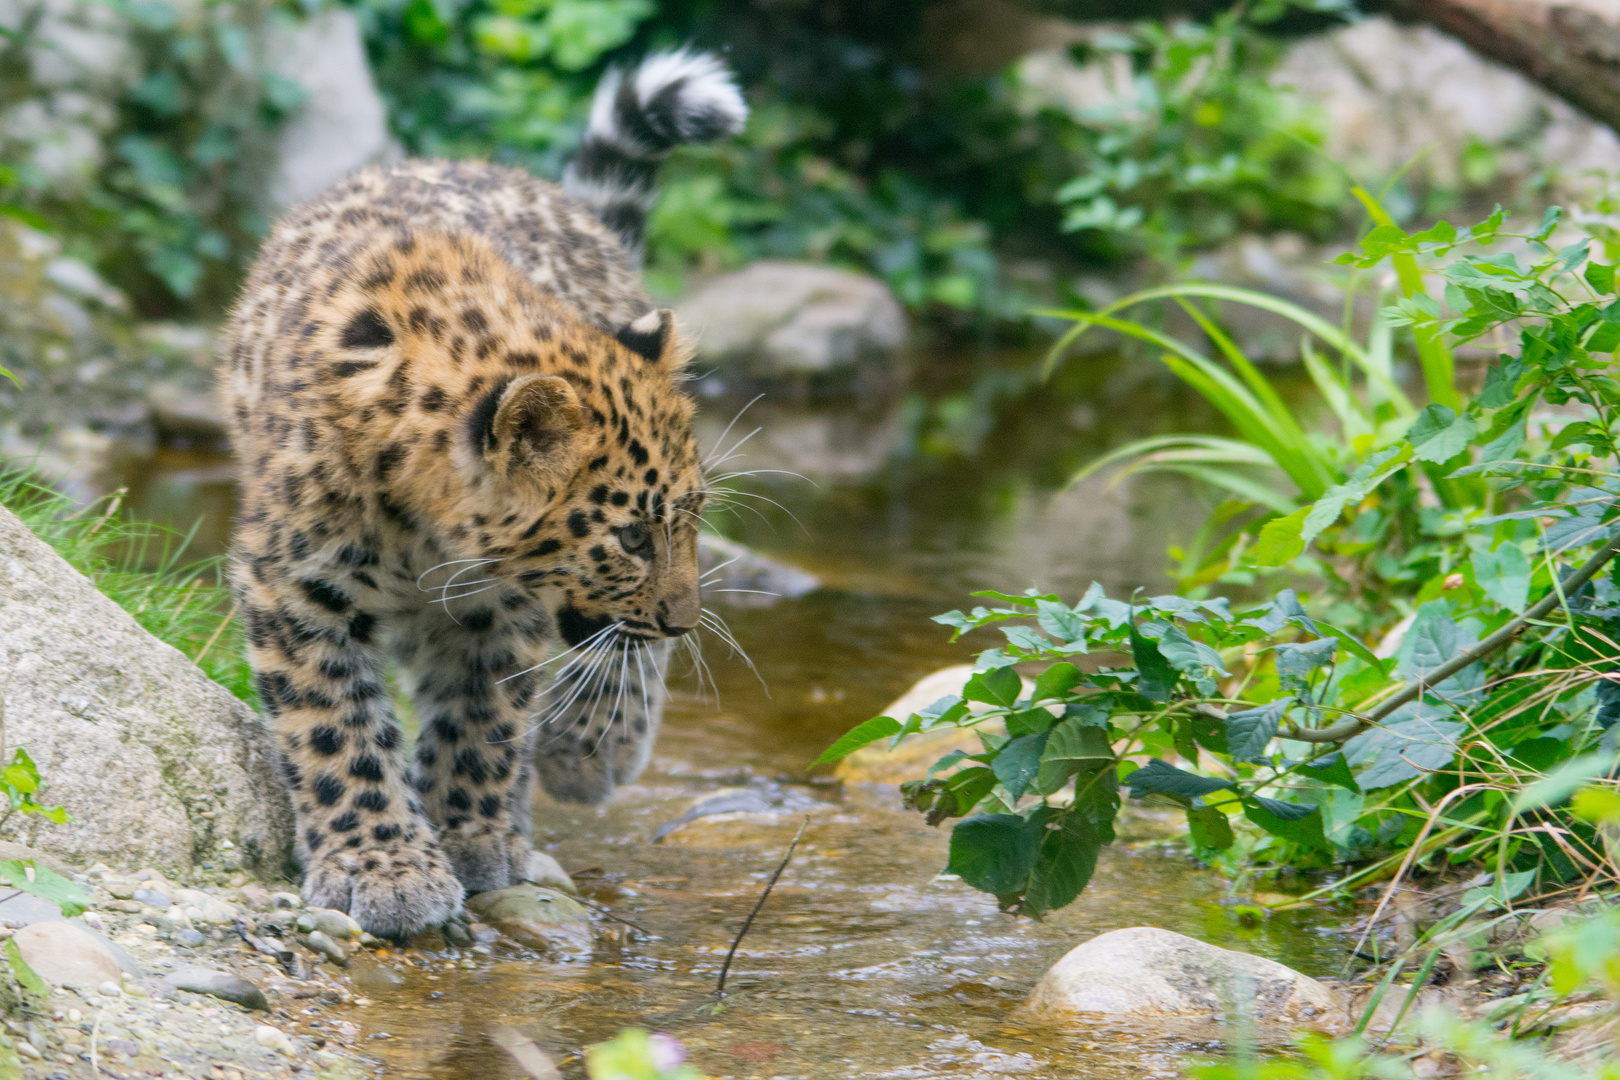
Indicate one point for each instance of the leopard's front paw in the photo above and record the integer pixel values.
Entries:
(392, 892)
(489, 858)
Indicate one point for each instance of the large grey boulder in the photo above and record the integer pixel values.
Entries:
(793, 320)
(156, 763)
(1144, 971)
(342, 124)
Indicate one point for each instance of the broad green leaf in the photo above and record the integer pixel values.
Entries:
(1331, 769)
(1504, 574)
(1279, 539)
(1155, 678)
(1189, 657)
(1161, 778)
(1071, 747)
(1056, 681)
(1295, 662)
(1440, 434)
(1291, 821)
(1000, 686)
(994, 853)
(26, 975)
(1015, 766)
(1060, 621)
(1209, 828)
(1284, 609)
(46, 884)
(1403, 749)
(1250, 731)
(1029, 722)
(879, 727)
(1068, 858)
(1600, 276)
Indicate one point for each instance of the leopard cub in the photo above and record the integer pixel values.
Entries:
(465, 451)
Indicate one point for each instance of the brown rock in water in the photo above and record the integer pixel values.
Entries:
(1144, 971)
(543, 919)
(64, 955)
(156, 763)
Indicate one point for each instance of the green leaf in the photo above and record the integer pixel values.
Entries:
(1250, 731)
(1056, 681)
(45, 884)
(1295, 662)
(1029, 722)
(998, 687)
(879, 727)
(1440, 434)
(1155, 678)
(1504, 574)
(1072, 747)
(1403, 750)
(1331, 769)
(1189, 657)
(1600, 276)
(26, 975)
(1060, 621)
(1280, 539)
(1161, 778)
(1067, 860)
(1209, 828)
(1290, 821)
(1015, 766)
(994, 853)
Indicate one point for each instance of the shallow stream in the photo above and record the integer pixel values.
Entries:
(861, 964)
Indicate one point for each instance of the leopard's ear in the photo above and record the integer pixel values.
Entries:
(653, 337)
(528, 426)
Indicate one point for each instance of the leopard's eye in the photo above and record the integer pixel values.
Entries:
(636, 539)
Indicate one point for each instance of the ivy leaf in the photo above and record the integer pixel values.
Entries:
(1155, 678)
(1250, 731)
(994, 853)
(45, 884)
(1290, 821)
(1015, 766)
(879, 727)
(1209, 828)
(1331, 769)
(1280, 539)
(1161, 778)
(1000, 686)
(1504, 574)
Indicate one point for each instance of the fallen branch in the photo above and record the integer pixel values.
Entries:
(720, 986)
(1413, 690)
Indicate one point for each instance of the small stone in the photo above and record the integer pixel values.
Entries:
(208, 909)
(26, 1049)
(256, 897)
(64, 955)
(119, 889)
(543, 919)
(373, 977)
(191, 939)
(274, 1039)
(458, 935)
(152, 898)
(372, 942)
(287, 900)
(542, 870)
(219, 984)
(328, 948)
(111, 988)
(334, 924)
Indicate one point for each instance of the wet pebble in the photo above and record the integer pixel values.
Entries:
(543, 919)
(371, 976)
(334, 924)
(152, 898)
(274, 1039)
(191, 939)
(328, 948)
(219, 984)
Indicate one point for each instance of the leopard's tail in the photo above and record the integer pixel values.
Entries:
(637, 118)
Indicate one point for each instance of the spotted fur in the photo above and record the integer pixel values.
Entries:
(464, 451)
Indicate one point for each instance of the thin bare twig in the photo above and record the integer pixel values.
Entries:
(720, 986)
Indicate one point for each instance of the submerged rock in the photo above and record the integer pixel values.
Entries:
(543, 919)
(1145, 971)
(785, 320)
(155, 763)
(64, 955)
(220, 984)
